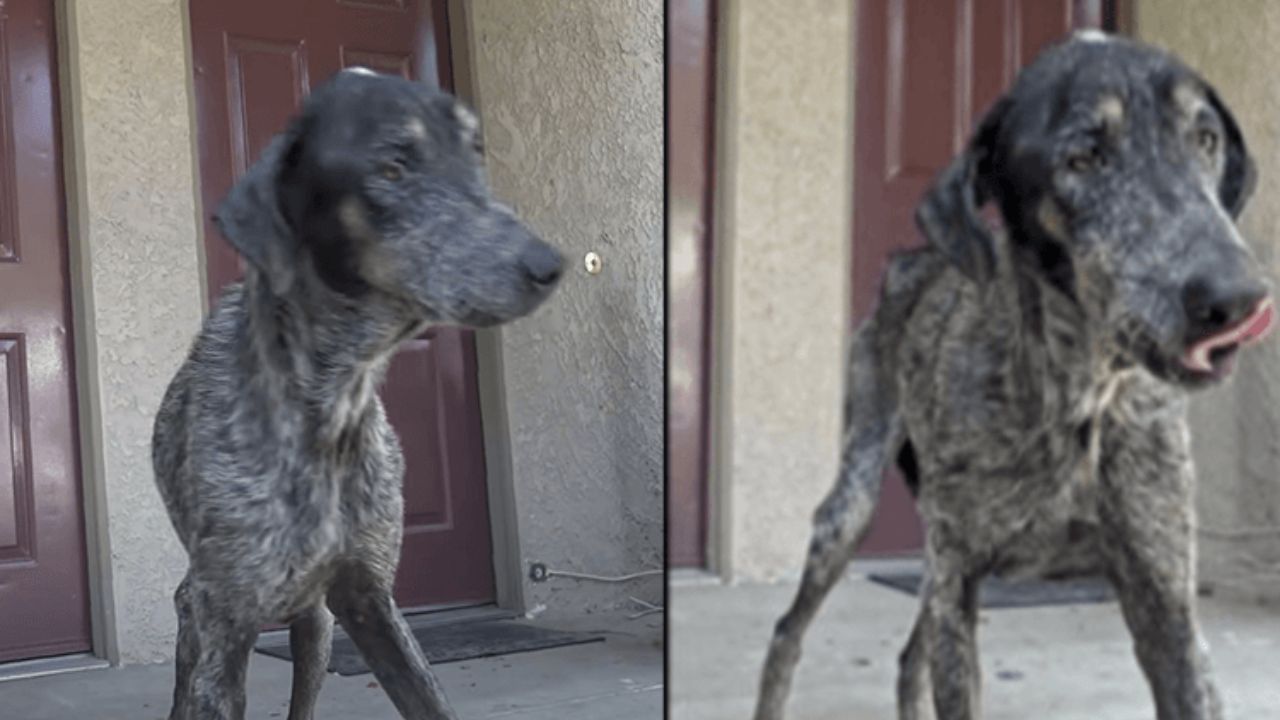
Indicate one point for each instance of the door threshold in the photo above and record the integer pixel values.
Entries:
(886, 564)
(452, 615)
(41, 667)
(416, 618)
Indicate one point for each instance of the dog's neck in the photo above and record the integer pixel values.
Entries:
(332, 350)
(1068, 348)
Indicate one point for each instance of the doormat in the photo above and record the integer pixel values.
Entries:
(445, 643)
(997, 593)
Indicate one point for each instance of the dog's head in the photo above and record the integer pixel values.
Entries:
(378, 186)
(1119, 174)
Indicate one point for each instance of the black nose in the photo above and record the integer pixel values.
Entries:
(542, 263)
(1213, 304)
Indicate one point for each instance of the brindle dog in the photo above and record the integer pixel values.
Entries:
(1031, 382)
(366, 220)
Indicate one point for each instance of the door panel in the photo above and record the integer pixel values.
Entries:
(926, 72)
(254, 63)
(44, 608)
(690, 88)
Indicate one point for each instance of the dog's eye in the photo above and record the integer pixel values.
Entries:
(393, 170)
(1086, 160)
(1207, 140)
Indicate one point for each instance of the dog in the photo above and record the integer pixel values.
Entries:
(1030, 377)
(367, 219)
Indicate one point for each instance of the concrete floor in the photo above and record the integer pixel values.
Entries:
(1065, 663)
(620, 678)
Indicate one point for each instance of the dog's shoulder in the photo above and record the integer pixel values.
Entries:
(908, 277)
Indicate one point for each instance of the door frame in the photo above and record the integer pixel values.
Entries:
(495, 428)
(718, 511)
(104, 639)
(706, 311)
(499, 478)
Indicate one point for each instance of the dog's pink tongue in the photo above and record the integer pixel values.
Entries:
(1251, 329)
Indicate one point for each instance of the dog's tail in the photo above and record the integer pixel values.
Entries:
(873, 436)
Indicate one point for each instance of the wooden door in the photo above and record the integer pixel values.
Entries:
(254, 63)
(927, 70)
(690, 99)
(44, 605)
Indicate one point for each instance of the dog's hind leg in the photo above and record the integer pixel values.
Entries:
(915, 695)
(310, 642)
(873, 434)
(188, 651)
(370, 617)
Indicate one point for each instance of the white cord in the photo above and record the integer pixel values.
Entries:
(602, 578)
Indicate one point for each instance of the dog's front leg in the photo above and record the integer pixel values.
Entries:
(950, 619)
(1146, 515)
(370, 617)
(225, 642)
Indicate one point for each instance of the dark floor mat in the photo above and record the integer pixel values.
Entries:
(451, 642)
(997, 593)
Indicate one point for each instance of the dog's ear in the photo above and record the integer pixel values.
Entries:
(252, 219)
(1239, 176)
(948, 213)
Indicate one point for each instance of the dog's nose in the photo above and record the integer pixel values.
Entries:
(542, 263)
(1213, 304)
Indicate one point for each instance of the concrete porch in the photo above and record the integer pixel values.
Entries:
(619, 678)
(1066, 663)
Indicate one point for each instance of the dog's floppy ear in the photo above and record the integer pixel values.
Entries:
(948, 213)
(1239, 176)
(251, 218)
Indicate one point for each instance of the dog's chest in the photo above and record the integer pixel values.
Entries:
(352, 515)
(1050, 527)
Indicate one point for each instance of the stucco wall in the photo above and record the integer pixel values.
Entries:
(1236, 429)
(785, 196)
(134, 232)
(570, 95)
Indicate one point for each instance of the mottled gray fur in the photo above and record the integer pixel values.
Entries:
(1031, 380)
(366, 220)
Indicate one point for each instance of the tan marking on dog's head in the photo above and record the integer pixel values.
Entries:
(467, 119)
(1110, 110)
(1189, 98)
(1090, 35)
(470, 125)
(355, 221)
(1051, 219)
(376, 263)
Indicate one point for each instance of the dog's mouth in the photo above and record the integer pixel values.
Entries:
(1213, 357)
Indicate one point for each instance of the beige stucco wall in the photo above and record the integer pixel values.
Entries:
(139, 293)
(570, 97)
(1236, 429)
(785, 197)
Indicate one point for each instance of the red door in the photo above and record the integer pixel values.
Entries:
(254, 62)
(44, 606)
(690, 82)
(926, 71)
